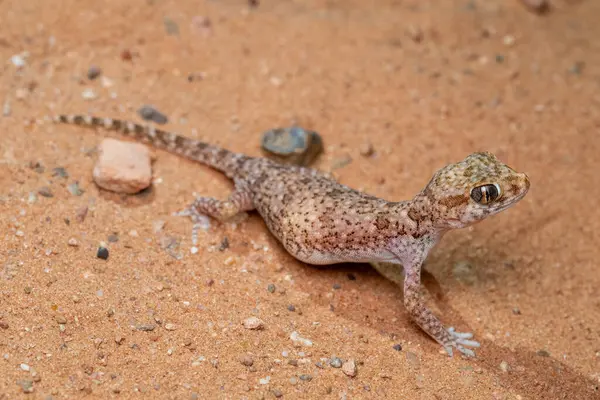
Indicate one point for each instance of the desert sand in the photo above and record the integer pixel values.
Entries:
(424, 83)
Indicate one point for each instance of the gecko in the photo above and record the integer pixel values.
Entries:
(320, 221)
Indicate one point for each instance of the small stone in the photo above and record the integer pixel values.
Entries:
(102, 253)
(73, 242)
(170, 327)
(74, 189)
(253, 323)
(508, 40)
(291, 308)
(265, 380)
(145, 327)
(224, 244)
(299, 340)
(247, 360)
(18, 60)
(81, 214)
(150, 113)
(305, 377)
(292, 145)
(542, 353)
(93, 72)
(119, 339)
(61, 319)
(335, 362)
(349, 368)
(536, 6)
(25, 367)
(28, 289)
(88, 94)
(45, 191)
(26, 385)
(516, 311)
(123, 167)
(397, 347)
(504, 366)
(113, 238)
(367, 150)
(3, 325)
(171, 26)
(271, 288)
(337, 286)
(277, 393)
(60, 172)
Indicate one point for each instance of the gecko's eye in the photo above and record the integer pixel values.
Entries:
(486, 194)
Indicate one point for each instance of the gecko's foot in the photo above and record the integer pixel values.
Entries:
(459, 341)
(200, 221)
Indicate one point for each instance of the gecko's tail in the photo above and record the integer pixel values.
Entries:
(213, 156)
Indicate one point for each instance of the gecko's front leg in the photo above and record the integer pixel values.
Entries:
(415, 305)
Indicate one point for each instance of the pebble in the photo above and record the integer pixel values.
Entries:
(170, 327)
(542, 353)
(26, 385)
(366, 150)
(271, 288)
(74, 189)
(18, 60)
(292, 145)
(349, 368)
(123, 167)
(398, 347)
(102, 253)
(45, 191)
(335, 362)
(61, 172)
(337, 286)
(253, 323)
(150, 113)
(94, 72)
(88, 94)
(61, 319)
(291, 308)
(306, 377)
(247, 360)
(25, 367)
(516, 311)
(504, 366)
(265, 380)
(113, 238)
(299, 340)
(6, 108)
(537, 6)
(3, 325)
(277, 393)
(145, 327)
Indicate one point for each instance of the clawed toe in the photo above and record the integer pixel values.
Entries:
(200, 221)
(459, 341)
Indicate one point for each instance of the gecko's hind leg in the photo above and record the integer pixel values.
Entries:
(203, 207)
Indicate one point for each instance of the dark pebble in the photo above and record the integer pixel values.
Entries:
(3, 325)
(102, 253)
(45, 191)
(151, 114)
(94, 72)
(293, 362)
(37, 167)
(224, 244)
(542, 353)
(398, 347)
(305, 377)
(337, 286)
(499, 58)
(60, 171)
(271, 288)
(291, 308)
(319, 364)
(292, 145)
(352, 277)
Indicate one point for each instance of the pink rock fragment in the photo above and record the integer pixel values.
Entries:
(123, 167)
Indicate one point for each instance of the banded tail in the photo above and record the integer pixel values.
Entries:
(211, 155)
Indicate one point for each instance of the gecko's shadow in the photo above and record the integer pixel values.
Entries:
(544, 377)
(145, 197)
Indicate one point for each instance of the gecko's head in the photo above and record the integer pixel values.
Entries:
(464, 193)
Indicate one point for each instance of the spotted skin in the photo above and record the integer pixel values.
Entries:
(320, 221)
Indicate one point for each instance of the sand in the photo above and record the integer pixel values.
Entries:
(423, 82)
